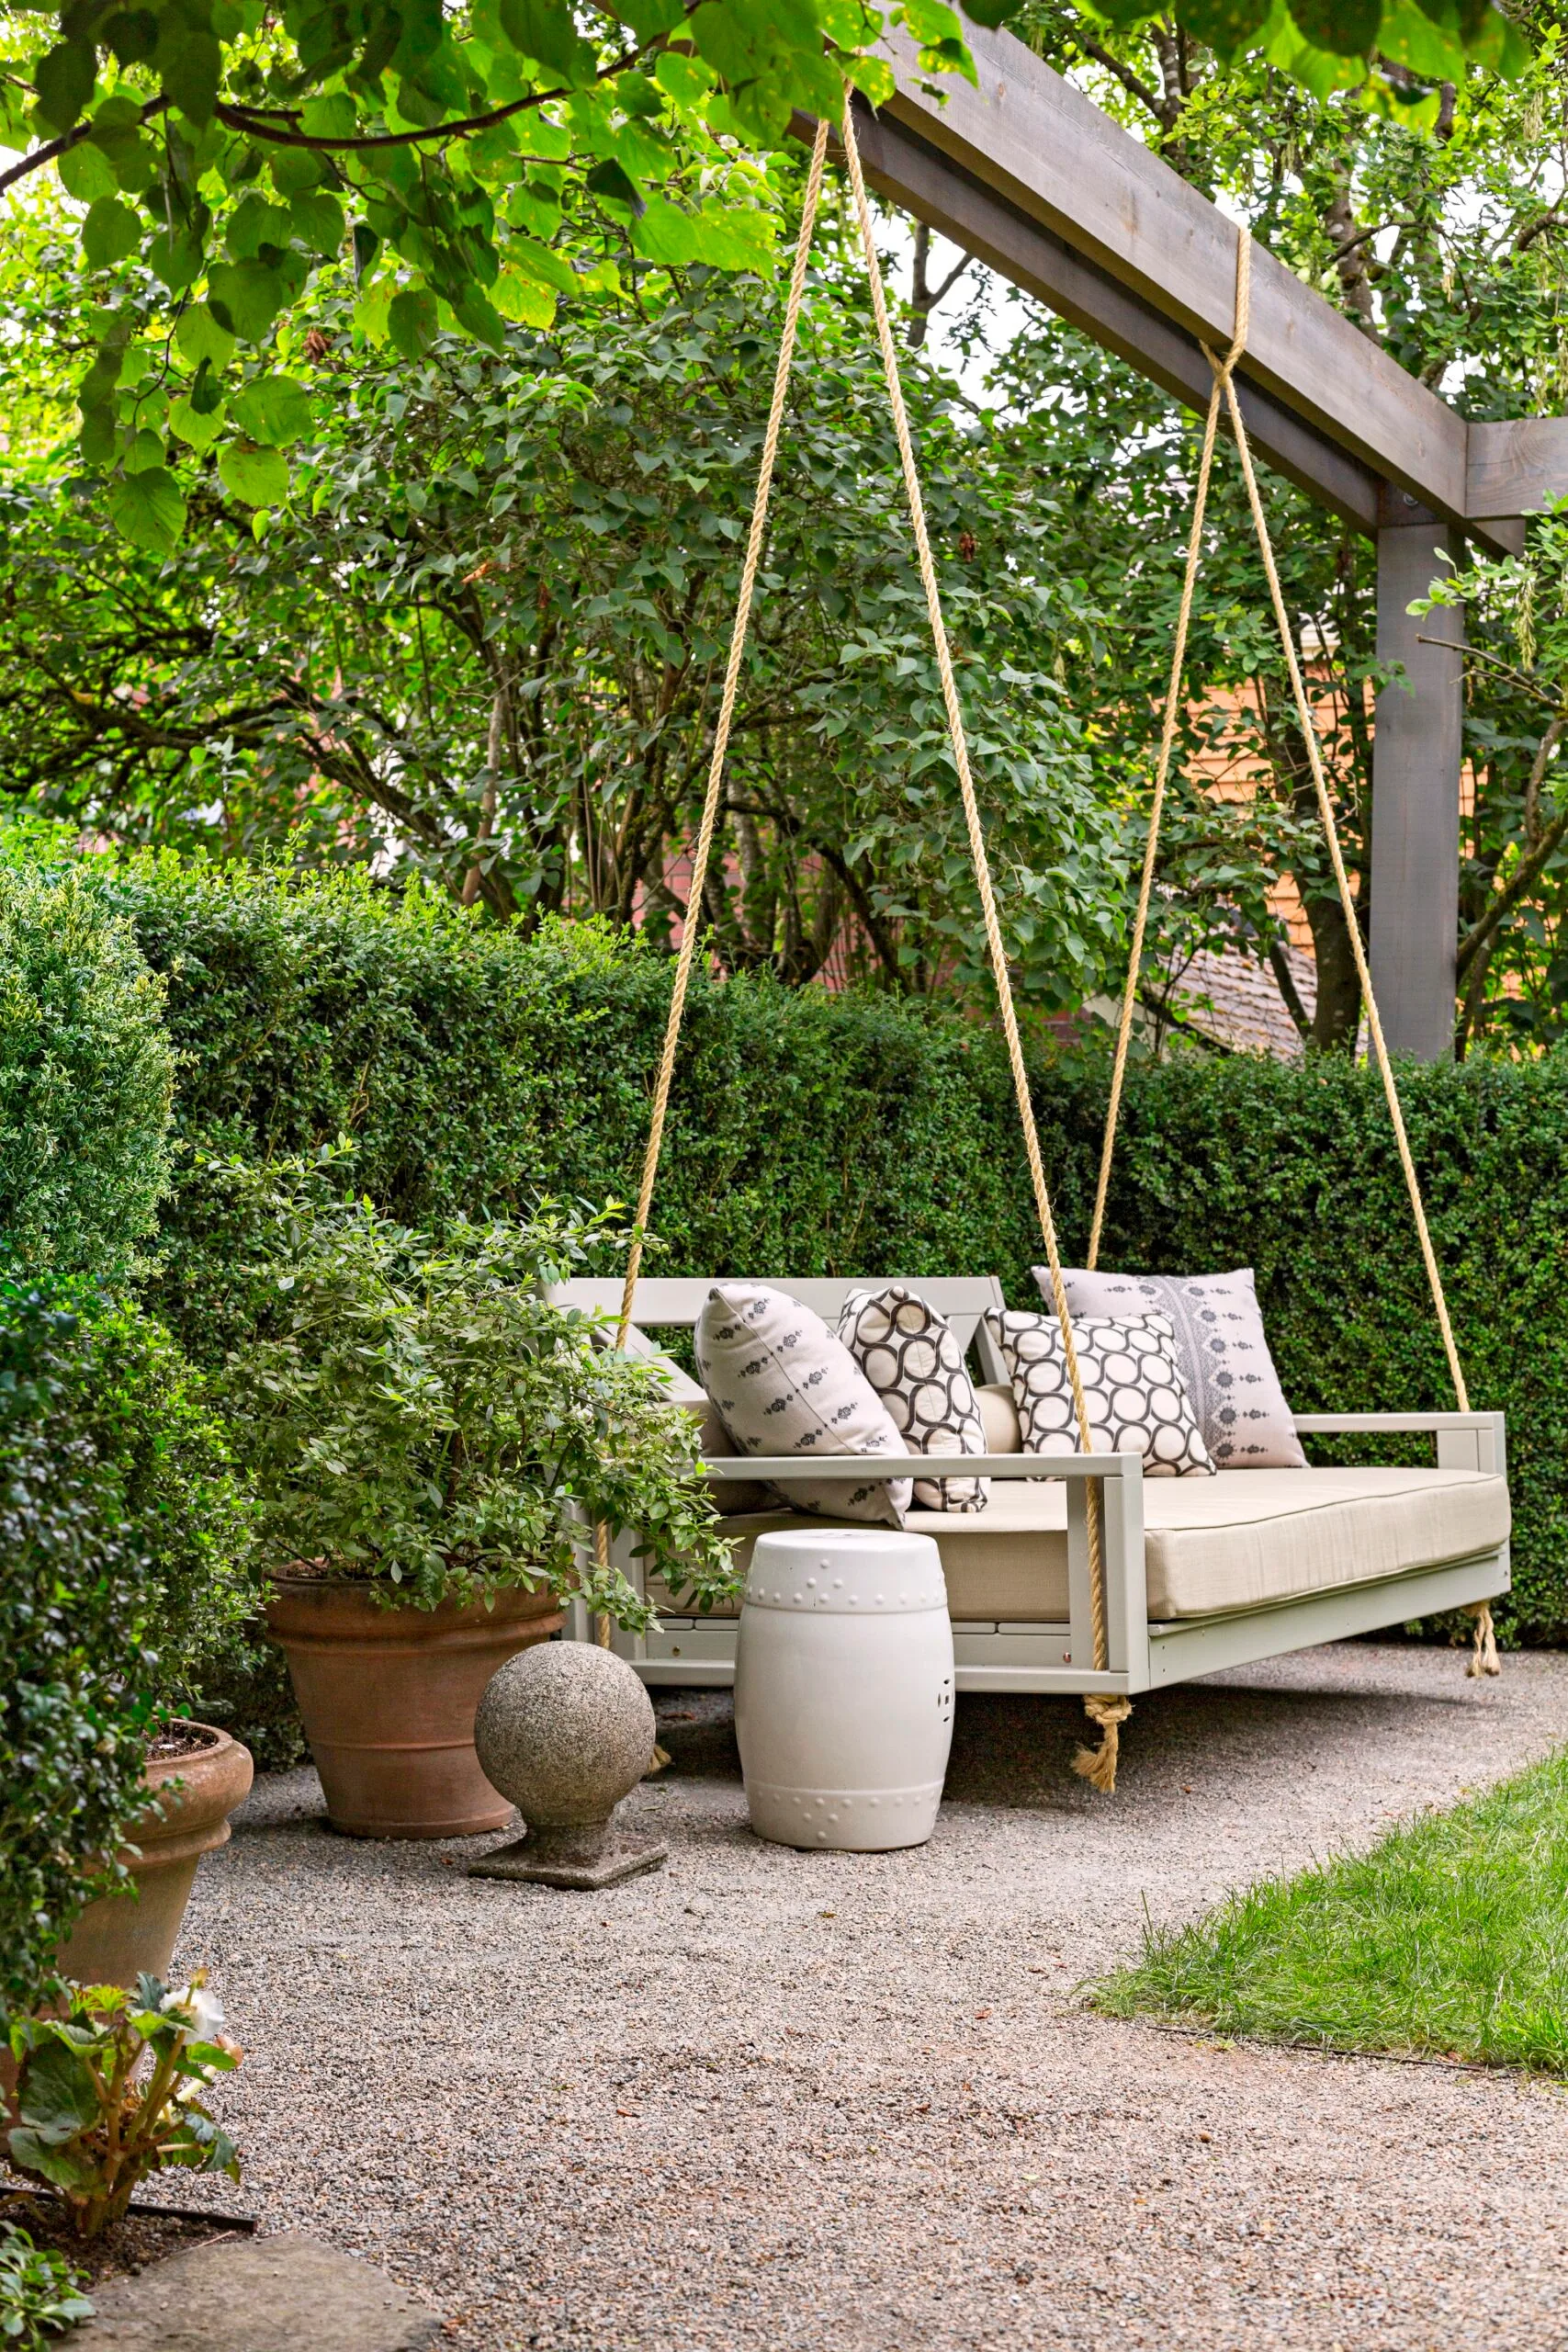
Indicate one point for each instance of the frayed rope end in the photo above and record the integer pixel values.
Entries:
(1484, 1658)
(1098, 1765)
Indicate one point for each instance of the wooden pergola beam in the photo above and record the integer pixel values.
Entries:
(912, 174)
(1033, 177)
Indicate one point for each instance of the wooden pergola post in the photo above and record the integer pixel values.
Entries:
(1418, 754)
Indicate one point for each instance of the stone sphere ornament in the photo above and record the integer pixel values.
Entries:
(566, 1730)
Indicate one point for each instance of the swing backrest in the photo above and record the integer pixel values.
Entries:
(674, 1302)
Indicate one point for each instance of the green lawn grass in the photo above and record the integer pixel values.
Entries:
(1450, 1938)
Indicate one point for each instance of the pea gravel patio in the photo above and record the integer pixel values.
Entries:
(778, 2100)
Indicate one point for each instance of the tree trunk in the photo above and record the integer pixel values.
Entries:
(1339, 1014)
(924, 296)
(473, 880)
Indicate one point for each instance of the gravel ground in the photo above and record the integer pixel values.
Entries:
(768, 2100)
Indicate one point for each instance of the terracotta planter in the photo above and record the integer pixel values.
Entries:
(389, 1697)
(122, 1936)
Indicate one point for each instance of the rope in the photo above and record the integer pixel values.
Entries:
(721, 733)
(1099, 1765)
(1167, 733)
(1483, 1652)
(1342, 882)
(692, 925)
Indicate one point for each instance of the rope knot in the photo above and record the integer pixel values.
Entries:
(1098, 1765)
(1483, 1656)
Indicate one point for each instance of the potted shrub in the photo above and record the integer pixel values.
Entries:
(123, 1538)
(430, 1442)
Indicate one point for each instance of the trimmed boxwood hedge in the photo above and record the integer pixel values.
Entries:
(814, 1134)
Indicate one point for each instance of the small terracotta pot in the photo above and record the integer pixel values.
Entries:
(389, 1697)
(122, 1936)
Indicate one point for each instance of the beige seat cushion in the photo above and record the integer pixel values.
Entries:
(1233, 1541)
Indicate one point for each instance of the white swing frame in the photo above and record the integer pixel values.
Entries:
(694, 1652)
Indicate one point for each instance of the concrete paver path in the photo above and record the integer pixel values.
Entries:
(768, 2099)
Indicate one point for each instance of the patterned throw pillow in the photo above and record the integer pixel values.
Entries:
(1220, 1346)
(907, 1352)
(1138, 1399)
(784, 1383)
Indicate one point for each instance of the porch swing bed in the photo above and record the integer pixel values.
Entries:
(1199, 1573)
(1081, 1576)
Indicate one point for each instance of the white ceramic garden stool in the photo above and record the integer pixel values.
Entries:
(843, 1687)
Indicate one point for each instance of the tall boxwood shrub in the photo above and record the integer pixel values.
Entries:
(86, 1075)
(812, 1133)
(121, 1535)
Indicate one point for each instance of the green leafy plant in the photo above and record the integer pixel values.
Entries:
(113, 2091)
(86, 1076)
(39, 2292)
(820, 1133)
(474, 165)
(121, 1543)
(419, 1415)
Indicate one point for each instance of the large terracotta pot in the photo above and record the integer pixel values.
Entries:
(123, 1936)
(389, 1697)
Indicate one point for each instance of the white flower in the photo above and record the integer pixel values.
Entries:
(203, 2009)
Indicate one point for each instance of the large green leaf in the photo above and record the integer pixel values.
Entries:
(146, 450)
(1344, 27)
(34, 2151)
(64, 84)
(317, 219)
(177, 258)
(200, 338)
(84, 173)
(273, 409)
(520, 300)
(665, 234)
(478, 316)
(259, 477)
(245, 296)
(546, 33)
(55, 2090)
(190, 64)
(132, 34)
(411, 321)
(614, 184)
(199, 431)
(254, 223)
(1408, 36)
(109, 233)
(149, 509)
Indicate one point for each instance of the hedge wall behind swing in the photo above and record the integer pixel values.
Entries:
(811, 1134)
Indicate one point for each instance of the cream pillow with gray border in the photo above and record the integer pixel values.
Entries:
(784, 1384)
(908, 1353)
(1220, 1346)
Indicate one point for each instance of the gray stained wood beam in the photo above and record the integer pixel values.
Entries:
(910, 172)
(1031, 176)
(1418, 754)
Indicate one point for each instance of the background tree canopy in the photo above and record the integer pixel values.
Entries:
(224, 156)
(471, 626)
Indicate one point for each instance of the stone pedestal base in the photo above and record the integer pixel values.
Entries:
(566, 1858)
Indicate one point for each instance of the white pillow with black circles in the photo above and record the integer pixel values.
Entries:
(1221, 1348)
(1136, 1396)
(784, 1384)
(908, 1353)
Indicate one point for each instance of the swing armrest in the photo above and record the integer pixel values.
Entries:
(1464, 1441)
(1120, 1477)
(782, 1469)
